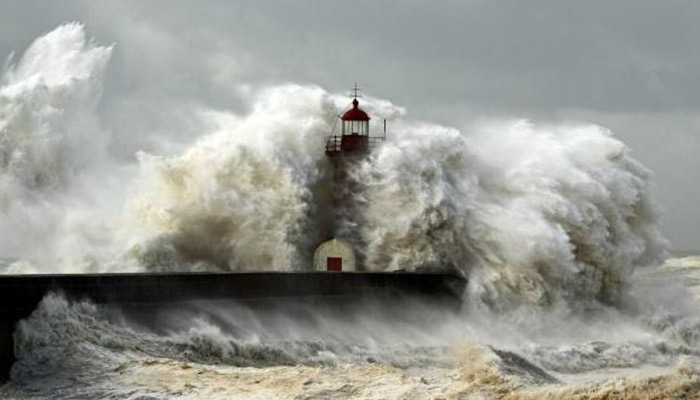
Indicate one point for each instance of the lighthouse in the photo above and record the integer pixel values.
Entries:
(346, 149)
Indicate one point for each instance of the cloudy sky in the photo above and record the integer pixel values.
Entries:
(630, 65)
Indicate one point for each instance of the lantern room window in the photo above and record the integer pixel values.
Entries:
(353, 127)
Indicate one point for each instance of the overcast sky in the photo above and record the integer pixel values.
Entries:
(630, 65)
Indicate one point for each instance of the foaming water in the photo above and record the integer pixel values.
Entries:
(55, 173)
(225, 349)
(551, 224)
(533, 214)
(68, 348)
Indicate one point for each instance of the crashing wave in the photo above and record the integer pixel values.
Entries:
(49, 137)
(533, 214)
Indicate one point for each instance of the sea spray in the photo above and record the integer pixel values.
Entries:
(48, 128)
(50, 137)
(239, 198)
(531, 214)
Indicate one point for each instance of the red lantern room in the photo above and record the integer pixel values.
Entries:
(355, 121)
(354, 137)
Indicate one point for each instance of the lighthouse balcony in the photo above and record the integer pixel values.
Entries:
(351, 144)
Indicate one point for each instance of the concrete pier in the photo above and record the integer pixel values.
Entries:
(20, 294)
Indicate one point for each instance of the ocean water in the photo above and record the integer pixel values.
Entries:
(220, 350)
(571, 291)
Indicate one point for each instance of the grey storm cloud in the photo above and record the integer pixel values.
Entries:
(630, 65)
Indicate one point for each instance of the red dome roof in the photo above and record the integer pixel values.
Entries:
(355, 114)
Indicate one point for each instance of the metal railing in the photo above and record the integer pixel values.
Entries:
(334, 143)
(374, 141)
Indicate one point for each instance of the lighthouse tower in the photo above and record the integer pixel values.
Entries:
(345, 150)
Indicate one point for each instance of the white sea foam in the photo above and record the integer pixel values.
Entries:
(218, 350)
(52, 147)
(532, 214)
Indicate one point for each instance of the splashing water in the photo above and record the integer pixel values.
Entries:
(534, 214)
(530, 213)
(549, 223)
(51, 142)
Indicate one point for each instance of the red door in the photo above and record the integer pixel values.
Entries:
(334, 264)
